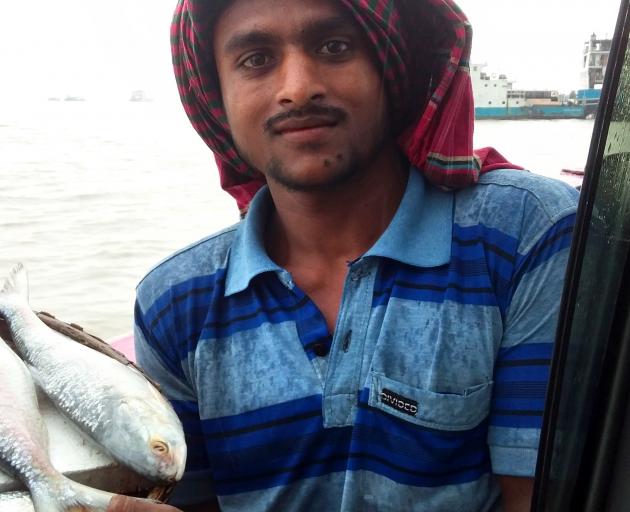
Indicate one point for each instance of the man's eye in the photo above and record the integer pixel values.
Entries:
(334, 47)
(257, 60)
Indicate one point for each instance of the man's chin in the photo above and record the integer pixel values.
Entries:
(315, 179)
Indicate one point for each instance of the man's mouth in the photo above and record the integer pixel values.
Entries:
(314, 124)
(309, 124)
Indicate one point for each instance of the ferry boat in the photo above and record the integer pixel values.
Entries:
(495, 97)
(138, 96)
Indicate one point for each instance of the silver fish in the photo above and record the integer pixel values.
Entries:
(113, 403)
(24, 444)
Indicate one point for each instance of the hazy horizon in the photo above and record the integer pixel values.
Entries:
(103, 51)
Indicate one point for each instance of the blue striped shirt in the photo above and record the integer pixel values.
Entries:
(433, 381)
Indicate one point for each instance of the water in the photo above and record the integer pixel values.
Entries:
(93, 195)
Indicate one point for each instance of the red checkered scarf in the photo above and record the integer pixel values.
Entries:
(430, 92)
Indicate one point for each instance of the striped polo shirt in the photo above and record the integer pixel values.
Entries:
(434, 378)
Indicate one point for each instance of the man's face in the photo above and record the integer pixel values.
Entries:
(304, 100)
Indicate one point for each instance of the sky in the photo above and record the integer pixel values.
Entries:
(107, 49)
(537, 43)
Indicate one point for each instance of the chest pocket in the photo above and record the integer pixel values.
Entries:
(440, 411)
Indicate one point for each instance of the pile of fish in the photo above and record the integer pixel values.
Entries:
(113, 403)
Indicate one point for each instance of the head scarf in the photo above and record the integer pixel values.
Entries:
(423, 47)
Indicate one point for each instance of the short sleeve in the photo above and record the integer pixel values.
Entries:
(163, 366)
(523, 362)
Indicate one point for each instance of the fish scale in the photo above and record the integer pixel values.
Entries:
(64, 379)
(23, 438)
(24, 444)
(113, 403)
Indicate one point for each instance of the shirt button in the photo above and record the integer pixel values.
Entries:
(320, 349)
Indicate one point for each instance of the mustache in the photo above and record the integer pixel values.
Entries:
(335, 114)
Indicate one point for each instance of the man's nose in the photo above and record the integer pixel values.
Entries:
(300, 80)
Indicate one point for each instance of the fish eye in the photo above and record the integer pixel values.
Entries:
(159, 447)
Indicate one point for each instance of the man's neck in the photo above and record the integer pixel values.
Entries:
(340, 224)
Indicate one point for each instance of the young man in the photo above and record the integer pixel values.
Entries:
(367, 338)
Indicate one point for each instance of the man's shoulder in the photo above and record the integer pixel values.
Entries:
(520, 192)
(206, 257)
(553, 198)
(520, 204)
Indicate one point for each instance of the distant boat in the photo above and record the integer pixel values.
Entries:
(139, 95)
(496, 99)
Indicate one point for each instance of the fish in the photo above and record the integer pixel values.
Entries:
(113, 403)
(24, 444)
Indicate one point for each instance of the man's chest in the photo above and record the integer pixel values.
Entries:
(401, 390)
(412, 335)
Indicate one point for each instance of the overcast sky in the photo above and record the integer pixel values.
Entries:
(106, 49)
(538, 43)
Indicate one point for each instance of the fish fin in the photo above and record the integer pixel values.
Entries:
(16, 283)
(89, 498)
(72, 496)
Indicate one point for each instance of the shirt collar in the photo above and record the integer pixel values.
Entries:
(248, 257)
(420, 232)
(418, 235)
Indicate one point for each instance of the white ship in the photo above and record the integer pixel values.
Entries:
(495, 97)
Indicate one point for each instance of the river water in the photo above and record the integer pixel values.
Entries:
(92, 195)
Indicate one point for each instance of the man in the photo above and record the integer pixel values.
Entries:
(368, 337)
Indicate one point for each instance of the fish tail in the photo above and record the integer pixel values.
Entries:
(14, 287)
(68, 496)
(16, 282)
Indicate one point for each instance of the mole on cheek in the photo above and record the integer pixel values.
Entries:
(339, 156)
(327, 163)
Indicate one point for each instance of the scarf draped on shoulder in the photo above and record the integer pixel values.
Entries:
(423, 47)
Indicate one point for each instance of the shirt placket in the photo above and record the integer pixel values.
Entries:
(341, 385)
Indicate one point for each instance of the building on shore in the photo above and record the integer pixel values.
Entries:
(595, 62)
